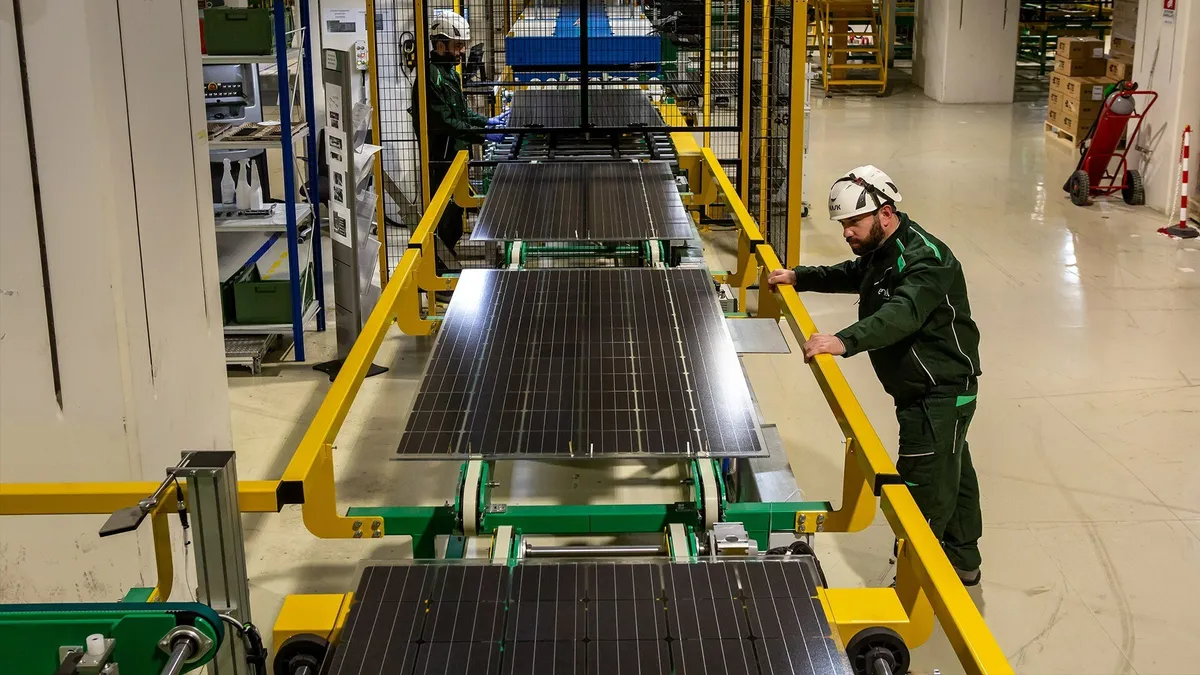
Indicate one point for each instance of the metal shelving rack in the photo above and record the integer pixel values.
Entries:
(1043, 22)
(246, 344)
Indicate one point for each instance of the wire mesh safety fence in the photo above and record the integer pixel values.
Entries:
(770, 96)
(584, 80)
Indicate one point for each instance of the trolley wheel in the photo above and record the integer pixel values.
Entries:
(1134, 191)
(299, 651)
(1080, 187)
(877, 644)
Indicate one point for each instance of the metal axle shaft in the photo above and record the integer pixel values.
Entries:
(532, 551)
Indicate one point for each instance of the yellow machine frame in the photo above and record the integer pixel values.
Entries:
(926, 584)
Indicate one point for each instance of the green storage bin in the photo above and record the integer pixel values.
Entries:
(258, 301)
(238, 31)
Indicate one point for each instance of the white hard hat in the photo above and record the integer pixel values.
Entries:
(862, 190)
(449, 25)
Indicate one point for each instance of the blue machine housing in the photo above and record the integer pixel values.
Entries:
(560, 51)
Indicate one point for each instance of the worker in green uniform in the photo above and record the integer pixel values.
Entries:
(914, 322)
(453, 126)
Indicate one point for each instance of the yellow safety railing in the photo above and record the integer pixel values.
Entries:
(926, 583)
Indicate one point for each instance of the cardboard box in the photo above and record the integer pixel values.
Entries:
(1079, 88)
(1079, 48)
(1119, 71)
(1055, 101)
(1123, 57)
(1067, 122)
(1120, 48)
(1085, 110)
(1079, 67)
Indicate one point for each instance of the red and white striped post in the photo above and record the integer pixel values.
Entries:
(1183, 230)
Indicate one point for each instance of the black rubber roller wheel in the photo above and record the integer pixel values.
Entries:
(1080, 187)
(877, 644)
(298, 652)
(1134, 192)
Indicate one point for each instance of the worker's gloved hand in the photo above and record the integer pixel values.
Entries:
(500, 120)
(495, 138)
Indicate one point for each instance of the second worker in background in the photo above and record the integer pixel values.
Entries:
(915, 323)
(453, 126)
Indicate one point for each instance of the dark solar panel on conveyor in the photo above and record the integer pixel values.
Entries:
(710, 618)
(608, 109)
(583, 201)
(583, 363)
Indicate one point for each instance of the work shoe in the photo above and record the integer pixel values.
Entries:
(969, 577)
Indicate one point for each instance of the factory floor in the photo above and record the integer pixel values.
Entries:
(1085, 438)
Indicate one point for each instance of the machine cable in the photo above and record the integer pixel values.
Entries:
(256, 651)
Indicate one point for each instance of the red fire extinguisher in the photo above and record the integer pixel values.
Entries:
(1102, 168)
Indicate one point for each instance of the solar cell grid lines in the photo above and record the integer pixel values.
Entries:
(583, 201)
(719, 618)
(582, 364)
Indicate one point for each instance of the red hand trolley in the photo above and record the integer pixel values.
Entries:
(1095, 174)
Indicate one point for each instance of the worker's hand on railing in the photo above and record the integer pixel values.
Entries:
(494, 138)
(821, 343)
(783, 276)
(500, 120)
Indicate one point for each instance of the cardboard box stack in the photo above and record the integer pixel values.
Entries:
(1125, 19)
(1120, 59)
(1079, 57)
(1074, 103)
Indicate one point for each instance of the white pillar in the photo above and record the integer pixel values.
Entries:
(966, 51)
(131, 315)
(1167, 60)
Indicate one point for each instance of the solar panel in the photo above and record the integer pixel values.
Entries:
(608, 108)
(583, 363)
(708, 618)
(585, 201)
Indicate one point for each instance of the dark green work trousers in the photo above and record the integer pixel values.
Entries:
(935, 463)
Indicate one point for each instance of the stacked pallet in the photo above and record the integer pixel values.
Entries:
(1076, 87)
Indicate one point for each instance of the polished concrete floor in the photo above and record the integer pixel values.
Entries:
(1085, 440)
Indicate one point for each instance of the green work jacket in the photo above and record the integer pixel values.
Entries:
(913, 315)
(453, 126)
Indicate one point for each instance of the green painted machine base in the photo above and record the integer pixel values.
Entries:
(30, 635)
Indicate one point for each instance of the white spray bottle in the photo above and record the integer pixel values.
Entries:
(256, 195)
(228, 187)
(243, 185)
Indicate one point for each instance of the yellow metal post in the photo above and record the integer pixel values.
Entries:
(798, 90)
(377, 130)
(706, 51)
(764, 119)
(422, 130)
(747, 43)
(164, 566)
